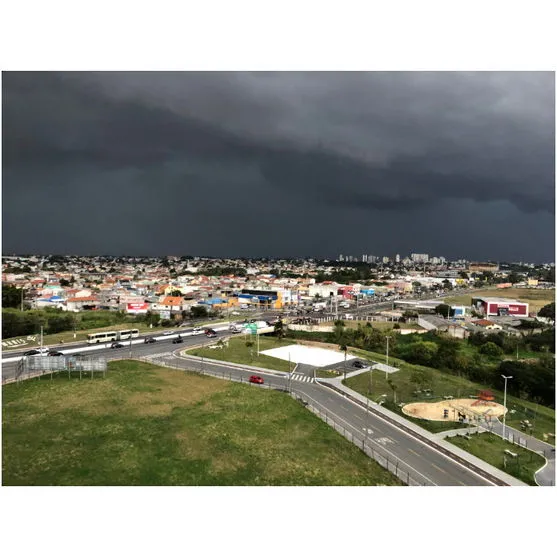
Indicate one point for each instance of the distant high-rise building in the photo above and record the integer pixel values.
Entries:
(385, 259)
(341, 257)
(372, 259)
(397, 258)
(364, 258)
(419, 257)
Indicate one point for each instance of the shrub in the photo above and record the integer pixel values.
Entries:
(491, 349)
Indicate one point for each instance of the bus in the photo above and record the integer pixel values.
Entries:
(111, 336)
(130, 333)
(105, 336)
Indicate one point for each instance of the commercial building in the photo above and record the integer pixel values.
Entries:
(475, 267)
(500, 306)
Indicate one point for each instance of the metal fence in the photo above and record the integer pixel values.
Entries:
(37, 366)
(370, 447)
(197, 367)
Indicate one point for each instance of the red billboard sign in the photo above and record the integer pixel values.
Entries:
(137, 308)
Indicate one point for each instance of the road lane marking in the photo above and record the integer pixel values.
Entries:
(414, 452)
(440, 469)
(416, 439)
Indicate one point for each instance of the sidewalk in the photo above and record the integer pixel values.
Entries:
(431, 437)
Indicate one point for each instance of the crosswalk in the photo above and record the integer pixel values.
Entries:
(302, 378)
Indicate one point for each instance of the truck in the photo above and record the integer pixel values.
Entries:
(319, 306)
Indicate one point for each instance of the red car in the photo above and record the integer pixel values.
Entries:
(256, 379)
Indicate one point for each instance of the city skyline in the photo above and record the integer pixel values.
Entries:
(266, 164)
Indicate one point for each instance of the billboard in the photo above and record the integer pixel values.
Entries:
(137, 308)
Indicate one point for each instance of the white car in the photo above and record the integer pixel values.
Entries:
(198, 331)
(168, 333)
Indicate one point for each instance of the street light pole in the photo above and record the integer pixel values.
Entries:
(388, 337)
(505, 402)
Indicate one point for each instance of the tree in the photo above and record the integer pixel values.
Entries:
(344, 348)
(447, 284)
(444, 310)
(422, 353)
(491, 349)
(64, 282)
(339, 333)
(198, 311)
(447, 351)
(279, 329)
(175, 293)
(548, 311)
(393, 388)
(11, 297)
(152, 318)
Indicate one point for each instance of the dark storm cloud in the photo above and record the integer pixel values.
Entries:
(173, 150)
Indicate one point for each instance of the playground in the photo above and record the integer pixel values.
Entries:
(453, 410)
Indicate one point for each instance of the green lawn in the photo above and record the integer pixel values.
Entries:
(491, 448)
(444, 384)
(536, 298)
(146, 425)
(326, 374)
(239, 353)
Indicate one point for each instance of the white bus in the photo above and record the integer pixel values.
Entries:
(129, 333)
(105, 336)
(111, 336)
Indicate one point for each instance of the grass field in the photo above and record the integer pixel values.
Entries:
(146, 425)
(239, 353)
(491, 448)
(444, 384)
(536, 298)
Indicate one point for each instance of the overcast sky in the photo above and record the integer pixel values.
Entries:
(280, 164)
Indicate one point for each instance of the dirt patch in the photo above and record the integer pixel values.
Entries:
(465, 406)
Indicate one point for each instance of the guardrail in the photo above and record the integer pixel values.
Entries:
(422, 438)
(371, 447)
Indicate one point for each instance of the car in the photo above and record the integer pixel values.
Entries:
(177, 340)
(210, 333)
(197, 331)
(116, 345)
(256, 379)
(150, 340)
(55, 353)
(31, 352)
(358, 364)
(166, 333)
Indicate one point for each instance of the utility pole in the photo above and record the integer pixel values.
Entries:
(289, 374)
(22, 298)
(388, 337)
(505, 402)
